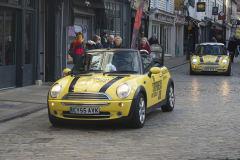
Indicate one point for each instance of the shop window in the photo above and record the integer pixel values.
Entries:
(28, 37)
(29, 3)
(3, 1)
(113, 18)
(15, 2)
(167, 5)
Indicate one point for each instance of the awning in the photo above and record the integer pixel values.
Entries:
(90, 3)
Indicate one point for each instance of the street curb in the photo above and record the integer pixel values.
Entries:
(22, 113)
(178, 65)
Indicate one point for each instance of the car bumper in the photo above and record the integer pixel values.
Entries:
(200, 69)
(108, 112)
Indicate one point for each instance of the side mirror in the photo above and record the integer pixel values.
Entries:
(144, 51)
(66, 71)
(155, 70)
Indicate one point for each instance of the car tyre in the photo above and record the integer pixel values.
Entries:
(139, 114)
(53, 120)
(229, 70)
(170, 100)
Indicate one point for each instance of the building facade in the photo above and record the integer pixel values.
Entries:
(19, 37)
(168, 27)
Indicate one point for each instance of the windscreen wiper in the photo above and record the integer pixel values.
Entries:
(120, 71)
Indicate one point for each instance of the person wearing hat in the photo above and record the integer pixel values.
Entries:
(153, 39)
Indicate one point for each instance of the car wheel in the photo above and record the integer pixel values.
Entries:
(170, 100)
(229, 70)
(139, 113)
(53, 120)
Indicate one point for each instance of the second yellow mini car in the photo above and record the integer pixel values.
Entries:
(116, 85)
(210, 58)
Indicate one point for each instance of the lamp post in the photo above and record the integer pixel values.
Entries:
(188, 36)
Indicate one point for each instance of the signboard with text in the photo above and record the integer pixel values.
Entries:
(215, 11)
(221, 16)
(179, 5)
(200, 6)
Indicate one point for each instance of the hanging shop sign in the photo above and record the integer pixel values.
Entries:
(221, 16)
(179, 5)
(200, 6)
(137, 25)
(214, 10)
(234, 16)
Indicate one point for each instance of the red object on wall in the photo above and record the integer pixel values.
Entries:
(137, 25)
(221, 16)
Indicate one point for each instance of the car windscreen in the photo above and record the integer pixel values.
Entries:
(210, 50)
(107, 61)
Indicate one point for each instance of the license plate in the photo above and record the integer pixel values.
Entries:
(209, 69)
(84, 110)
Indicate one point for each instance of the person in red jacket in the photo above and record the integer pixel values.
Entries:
(77, 47)
(144, 45)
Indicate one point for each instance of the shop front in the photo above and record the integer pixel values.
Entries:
(19, 33)
(162, 24)
(179, 23)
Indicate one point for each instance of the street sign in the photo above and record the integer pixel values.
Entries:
(221, 15)
(200, 6)
(234, 16)
(215, 11)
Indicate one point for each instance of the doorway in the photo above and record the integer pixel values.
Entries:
(8, 45)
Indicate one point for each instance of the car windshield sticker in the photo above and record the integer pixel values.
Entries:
(218, 58)
(108, 84)
(72, 85)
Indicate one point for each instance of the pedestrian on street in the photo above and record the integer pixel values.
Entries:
(144, 45)
(110, 43)
(214, 39)
(77, 47)
(232, 46)
(238, 42)
(118, 41)
(153, 40)
(94, 43)
(104, 38)
(221, 40)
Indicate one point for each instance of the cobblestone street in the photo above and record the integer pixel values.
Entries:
(203, 125)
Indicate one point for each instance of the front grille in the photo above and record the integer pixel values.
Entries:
(67, 114)
(209, 63)
(86, 96)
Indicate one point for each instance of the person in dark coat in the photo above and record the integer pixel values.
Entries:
(110, 43)
(232, 46)
(221, 40)
(104, 38)
(153, 40)
(118, 41)
(95, 43)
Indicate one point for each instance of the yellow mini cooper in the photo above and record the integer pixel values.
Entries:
(111, 85)
(211, 58)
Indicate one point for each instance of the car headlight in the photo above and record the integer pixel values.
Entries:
(194, 61)
(56, 90)
(224, 62)
(123, 90)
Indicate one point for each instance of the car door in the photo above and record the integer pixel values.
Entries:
(153, 84)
